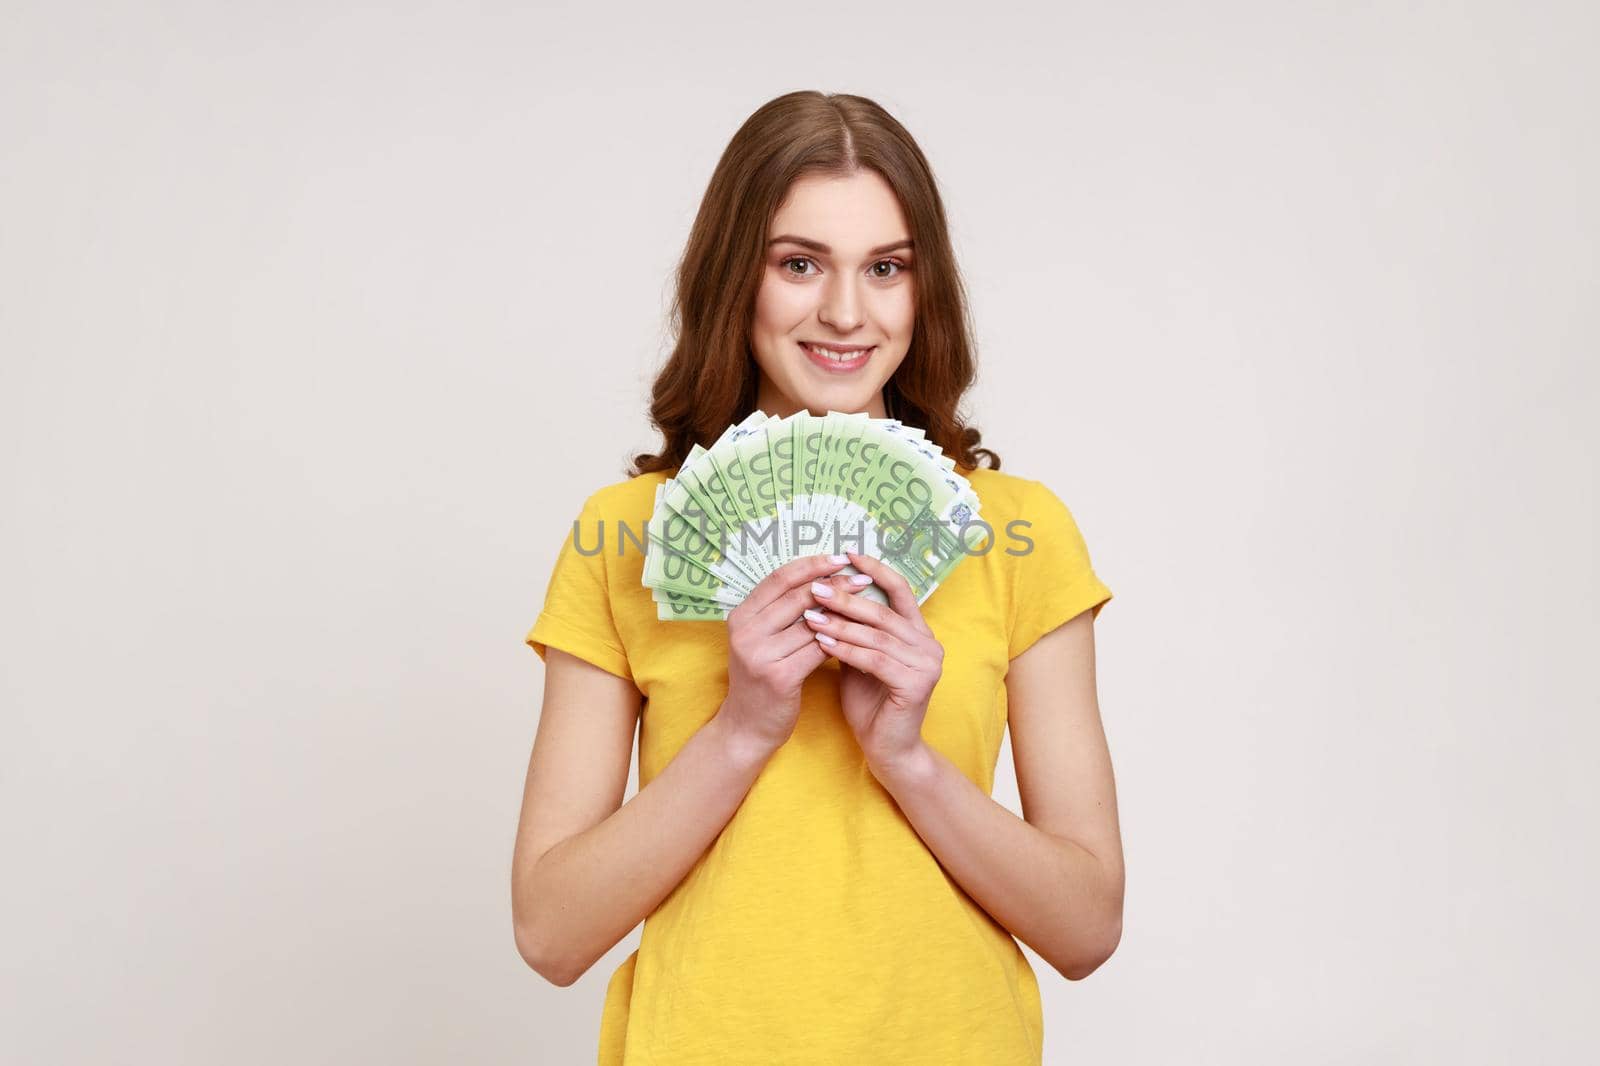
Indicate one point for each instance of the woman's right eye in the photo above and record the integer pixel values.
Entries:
(795, 259)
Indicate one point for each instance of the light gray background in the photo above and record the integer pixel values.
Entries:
(319, 321)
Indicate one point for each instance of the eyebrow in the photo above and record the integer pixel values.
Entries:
(818, 246)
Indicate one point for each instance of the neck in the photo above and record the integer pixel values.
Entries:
(777, 405)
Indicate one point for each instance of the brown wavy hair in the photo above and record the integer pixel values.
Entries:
(709, 381)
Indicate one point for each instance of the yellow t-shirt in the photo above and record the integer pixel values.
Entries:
(818, 927)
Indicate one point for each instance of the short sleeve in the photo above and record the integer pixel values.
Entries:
(1052, 580)
(577, 615)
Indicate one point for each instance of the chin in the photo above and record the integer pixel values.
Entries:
(851, 399)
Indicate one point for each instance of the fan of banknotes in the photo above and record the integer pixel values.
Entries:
(771, 489)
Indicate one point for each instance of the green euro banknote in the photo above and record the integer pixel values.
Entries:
(772, 489)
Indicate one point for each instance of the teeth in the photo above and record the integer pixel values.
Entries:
(837, 357)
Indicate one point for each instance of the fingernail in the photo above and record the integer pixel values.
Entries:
(816, 616)
(838, 559)
(821, 590)
(860, 579)
(824, 638)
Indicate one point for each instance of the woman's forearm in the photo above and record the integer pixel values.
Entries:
(1053, 894)
(587, 892)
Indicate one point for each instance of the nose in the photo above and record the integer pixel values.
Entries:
(841, 304)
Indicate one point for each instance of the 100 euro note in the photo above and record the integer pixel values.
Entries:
(758, 497)
(876, 476)
(706, 549)
(682, 562)
(729, 461)
(720, 478)
(698, 494)
(917, 512)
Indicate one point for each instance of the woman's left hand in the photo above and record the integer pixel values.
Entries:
(889, 660)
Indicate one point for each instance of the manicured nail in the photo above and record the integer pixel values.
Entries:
(840, 559)
(816, 616)
(860, 579)
(821, 590)
(824, 638)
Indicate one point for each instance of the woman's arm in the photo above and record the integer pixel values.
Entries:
(1055, 880)
(586, 869)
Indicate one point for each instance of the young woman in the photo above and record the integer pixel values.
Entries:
(821, 871)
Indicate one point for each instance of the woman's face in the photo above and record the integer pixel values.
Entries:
(837, 274)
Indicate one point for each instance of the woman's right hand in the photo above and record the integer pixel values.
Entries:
(771, 651)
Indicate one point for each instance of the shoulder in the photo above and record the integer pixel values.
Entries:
(1050, 576)
(1027, 512)
(631, 499)
(1005, 496)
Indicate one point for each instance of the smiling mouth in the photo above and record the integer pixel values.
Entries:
(835, 359)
